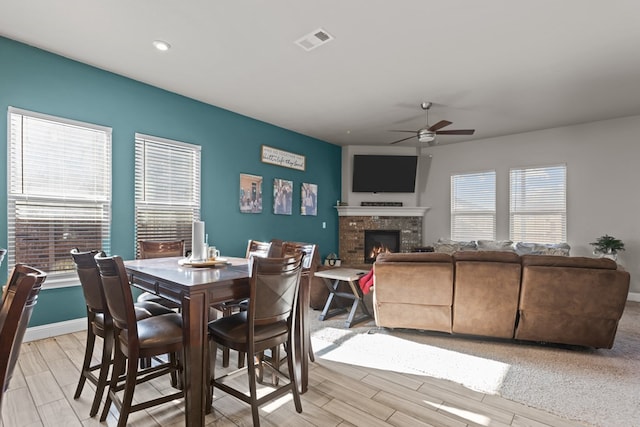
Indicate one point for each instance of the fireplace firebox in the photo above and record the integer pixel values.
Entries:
(379, 241)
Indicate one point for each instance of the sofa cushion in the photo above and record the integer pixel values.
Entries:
(413, 290)
(571, 300)
(487, 256)
(577, 262)
(486, 291)
(414, 257)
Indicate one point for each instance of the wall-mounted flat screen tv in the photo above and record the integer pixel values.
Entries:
(384, 174)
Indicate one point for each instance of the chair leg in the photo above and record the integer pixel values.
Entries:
(129, 387)
(225, 357)
(253, 393)
(176, 377)
(145, 362)
(107, 352)
(86, 364)
(275, 356)
(118, 370)
(294, 381)
(213, 353)
(312, 356)
(260, 367)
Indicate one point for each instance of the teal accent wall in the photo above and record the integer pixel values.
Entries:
(36, 80)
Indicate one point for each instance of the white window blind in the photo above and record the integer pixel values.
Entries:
(473, 206)
(59, 191)
(167, 189)
(538, 204)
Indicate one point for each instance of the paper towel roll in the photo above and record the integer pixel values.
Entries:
(198, 250)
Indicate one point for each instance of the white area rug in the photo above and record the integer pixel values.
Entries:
(598, 387)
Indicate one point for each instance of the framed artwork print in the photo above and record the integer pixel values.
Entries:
(309, 199)
(250, 193)
(282, 196)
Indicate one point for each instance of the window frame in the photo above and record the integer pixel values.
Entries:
(144, 200)
(16, 179)
(470, 213)
(538, 211)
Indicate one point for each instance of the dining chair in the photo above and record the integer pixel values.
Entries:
(99, 324)
(160, 249)
(255, 248)
(309, 267)
(19, 298)
(135, 339)
(268, 322)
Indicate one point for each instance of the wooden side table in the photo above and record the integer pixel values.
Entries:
(351, 276)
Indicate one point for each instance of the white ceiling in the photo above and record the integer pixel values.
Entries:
(498, 66)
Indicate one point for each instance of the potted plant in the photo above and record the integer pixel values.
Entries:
(607, 246)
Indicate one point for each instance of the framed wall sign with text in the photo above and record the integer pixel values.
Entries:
(282, 158)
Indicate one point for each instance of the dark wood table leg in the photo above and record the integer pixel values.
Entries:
(196, 352)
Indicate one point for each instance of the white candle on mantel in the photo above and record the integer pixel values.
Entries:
(198, 251)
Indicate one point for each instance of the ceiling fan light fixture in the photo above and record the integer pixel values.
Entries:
(426, 136)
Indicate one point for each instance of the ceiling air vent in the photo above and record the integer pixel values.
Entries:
(314, 39)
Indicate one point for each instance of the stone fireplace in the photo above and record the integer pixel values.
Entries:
(405, 222)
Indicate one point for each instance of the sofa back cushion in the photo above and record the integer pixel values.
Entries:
(575, 261)
(486, 291)
(571, 300)
(414, 257)
(413, 290)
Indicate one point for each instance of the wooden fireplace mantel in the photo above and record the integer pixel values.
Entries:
(381, 210)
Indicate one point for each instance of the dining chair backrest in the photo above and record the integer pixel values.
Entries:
(117, 293)
(311, 257)
(19, 297)
(160, 249)
(274, 288)
(258, 249)
(276, 248)
(90, 281)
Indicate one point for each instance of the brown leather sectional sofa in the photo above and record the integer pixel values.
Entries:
(555, 299)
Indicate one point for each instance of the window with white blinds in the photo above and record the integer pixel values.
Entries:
(59, 191)
(473, 206)
(538, 204)
(167, 189)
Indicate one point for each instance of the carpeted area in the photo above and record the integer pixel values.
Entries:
(596, 386)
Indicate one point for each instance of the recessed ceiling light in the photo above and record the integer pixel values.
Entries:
(161, 45)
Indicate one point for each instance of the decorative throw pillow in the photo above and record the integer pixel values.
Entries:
(561, 249)
(450, 246)
(495, 245)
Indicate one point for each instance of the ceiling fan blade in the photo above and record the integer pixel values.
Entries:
(403, 139)
(439, 125)
(398, 130)
(457, 132)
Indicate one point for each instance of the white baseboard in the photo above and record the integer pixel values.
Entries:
(55, 329)
(633, 296)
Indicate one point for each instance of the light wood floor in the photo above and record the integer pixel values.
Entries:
(41, 394)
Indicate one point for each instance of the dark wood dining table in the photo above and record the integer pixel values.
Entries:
(196, 288)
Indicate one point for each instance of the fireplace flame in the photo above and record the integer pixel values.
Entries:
(377, 249)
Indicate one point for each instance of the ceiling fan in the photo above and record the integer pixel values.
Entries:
(428, 133)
